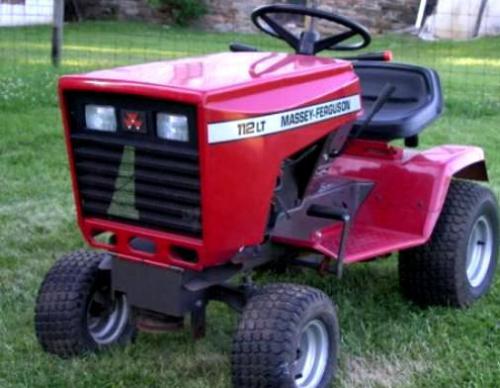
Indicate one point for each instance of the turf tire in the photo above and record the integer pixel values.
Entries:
(436, 273)
(266, 343)
(62, 304)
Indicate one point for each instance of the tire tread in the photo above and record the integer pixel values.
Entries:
(264, 338)
(61, 303)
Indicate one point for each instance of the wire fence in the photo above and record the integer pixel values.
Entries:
(99, 34)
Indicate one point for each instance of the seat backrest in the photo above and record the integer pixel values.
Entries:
(416, 103)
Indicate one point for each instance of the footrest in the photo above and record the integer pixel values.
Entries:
(366, 242)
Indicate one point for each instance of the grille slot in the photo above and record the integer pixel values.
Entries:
(139, 182)
(143, 175)
(103, 155)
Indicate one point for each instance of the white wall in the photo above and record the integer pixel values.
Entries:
(456, 19)
(32, 12)
(491, 20)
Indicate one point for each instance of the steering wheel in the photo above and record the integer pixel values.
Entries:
(309, 43)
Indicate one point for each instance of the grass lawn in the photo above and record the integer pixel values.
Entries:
(386, 341)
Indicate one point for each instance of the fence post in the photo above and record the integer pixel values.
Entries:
(480, 17)
(421, 14)
(57, 32)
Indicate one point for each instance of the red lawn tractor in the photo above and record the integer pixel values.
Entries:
(192, 173)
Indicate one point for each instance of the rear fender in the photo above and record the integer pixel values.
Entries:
(455, 162)
(448, 163)
(470, 165)
(410, 187)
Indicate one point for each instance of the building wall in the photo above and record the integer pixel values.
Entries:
(454, 19)
(27, 12)
(378, 15)
(491, 20)
(117, 9)
(234, 15)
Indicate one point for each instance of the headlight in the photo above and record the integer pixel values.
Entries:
(100, 118)
(172, 127)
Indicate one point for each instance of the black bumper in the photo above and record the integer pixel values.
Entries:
(155, 288)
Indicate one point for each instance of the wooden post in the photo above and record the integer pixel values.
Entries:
(57, 32)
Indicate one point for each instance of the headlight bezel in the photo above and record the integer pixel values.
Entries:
(75, 102)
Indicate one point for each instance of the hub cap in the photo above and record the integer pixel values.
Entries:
(312, 355)
(479, 251)
(107, 318)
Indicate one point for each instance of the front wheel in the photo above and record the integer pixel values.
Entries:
(288, 336)
(76, 311)
(456, 267)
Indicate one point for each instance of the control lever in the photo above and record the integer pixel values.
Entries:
(382, 99)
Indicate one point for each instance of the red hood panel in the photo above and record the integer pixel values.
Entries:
(221, 71)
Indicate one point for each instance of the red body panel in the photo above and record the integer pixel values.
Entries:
(238, 178)
(406, 201)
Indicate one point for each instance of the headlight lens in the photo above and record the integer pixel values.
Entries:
(172, 127)
(100, 118)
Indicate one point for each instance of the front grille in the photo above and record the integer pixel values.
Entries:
(137, 180)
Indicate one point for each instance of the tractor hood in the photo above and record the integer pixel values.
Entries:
(248, 113)
(213, 75)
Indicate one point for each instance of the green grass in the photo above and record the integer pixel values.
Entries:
(386, 341)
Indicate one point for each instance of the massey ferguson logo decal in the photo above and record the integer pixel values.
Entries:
(285, 121)
(134, 121)
(334, 109)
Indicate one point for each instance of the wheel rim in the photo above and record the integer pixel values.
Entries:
(479, 252)
(107, 317)
(312, 355)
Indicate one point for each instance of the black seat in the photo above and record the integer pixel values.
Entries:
(416, 103)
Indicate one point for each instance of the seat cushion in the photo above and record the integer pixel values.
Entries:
(416, 103)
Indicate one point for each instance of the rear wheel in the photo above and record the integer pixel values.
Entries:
(76, 311)
(457, 265)
(288, 336)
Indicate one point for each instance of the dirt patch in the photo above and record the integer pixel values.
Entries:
(379, 371)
